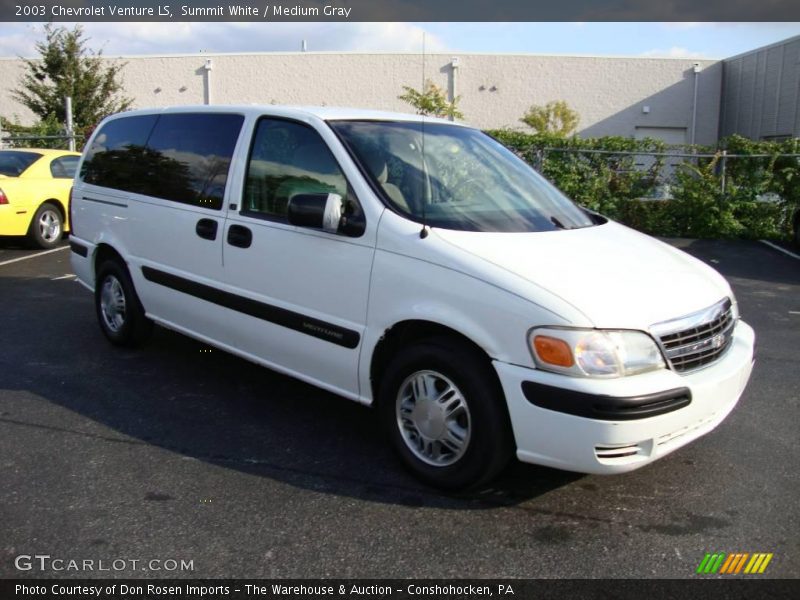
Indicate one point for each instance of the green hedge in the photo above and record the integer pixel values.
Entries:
(29, 134)
(615, 186)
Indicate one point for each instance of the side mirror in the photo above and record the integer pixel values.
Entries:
(320, 211)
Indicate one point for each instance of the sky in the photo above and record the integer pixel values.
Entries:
(691, 40)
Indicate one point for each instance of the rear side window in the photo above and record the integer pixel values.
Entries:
(64, 167)
(14, 163)
(116, 156)
(180, 157)
(189, 156)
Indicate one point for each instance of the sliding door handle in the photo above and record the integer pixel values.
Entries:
(206, 229)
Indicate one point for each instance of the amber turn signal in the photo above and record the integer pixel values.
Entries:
(553, 351)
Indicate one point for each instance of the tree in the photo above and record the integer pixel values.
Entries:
(67, 67)
(432, 101)
(554, 118)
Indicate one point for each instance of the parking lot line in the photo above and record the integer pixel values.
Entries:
(779, 249)
(13, 260)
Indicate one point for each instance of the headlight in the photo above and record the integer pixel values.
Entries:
(594, 352)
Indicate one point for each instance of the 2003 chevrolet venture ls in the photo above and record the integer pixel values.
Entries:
(414, 264)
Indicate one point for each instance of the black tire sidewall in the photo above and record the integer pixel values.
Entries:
(35, 236)
(490, 444)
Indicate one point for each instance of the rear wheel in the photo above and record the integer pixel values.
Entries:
(445, 414)
(119, 311)
(46, 227)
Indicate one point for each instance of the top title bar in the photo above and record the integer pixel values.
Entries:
(400, 10)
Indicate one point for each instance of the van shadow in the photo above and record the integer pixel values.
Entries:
(183, 396)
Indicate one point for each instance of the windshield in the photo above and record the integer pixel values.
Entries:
(13, 162)
(459, 179)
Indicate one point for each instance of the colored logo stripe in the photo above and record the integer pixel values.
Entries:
(711, 562)
(758, 563)
(733, 564)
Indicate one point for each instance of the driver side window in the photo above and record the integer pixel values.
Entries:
(286, 159)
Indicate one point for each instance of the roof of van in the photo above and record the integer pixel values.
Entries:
(326, 113)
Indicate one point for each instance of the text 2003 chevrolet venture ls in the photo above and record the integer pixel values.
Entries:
(414, 264)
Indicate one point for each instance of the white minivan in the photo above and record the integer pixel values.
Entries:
(414, 264)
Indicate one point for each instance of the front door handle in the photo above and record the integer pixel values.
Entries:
(206, 229)
(239, 236)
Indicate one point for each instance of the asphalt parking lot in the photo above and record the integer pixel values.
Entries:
(176, 451)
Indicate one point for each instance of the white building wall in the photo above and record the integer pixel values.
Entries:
(496, 89)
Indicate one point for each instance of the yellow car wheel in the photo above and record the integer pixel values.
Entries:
(47, 226)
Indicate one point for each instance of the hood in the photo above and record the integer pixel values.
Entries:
(617, 277)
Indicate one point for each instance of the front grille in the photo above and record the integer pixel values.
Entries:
(699, 339)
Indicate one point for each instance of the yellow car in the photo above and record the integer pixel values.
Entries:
(34, 193)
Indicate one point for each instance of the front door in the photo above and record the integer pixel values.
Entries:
(299, 295)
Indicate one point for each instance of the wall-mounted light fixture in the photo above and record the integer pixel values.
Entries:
(183, 88)
(646, 109)
(157, 90)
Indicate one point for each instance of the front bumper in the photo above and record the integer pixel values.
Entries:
(614, 445)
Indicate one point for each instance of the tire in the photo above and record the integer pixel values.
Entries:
(461, 439)
(119, 311)
(47, 226)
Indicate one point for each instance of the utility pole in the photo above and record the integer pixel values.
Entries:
(70, 128)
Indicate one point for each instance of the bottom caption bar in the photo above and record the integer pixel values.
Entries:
(397, 589)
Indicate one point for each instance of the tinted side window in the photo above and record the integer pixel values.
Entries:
(14, 163)
(286, 159)
(114, 159)
(189, 155)
(64, 167)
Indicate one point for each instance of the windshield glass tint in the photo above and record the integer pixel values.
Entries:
(465, 181)
(14, 163)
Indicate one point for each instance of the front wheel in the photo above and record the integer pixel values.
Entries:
(46, 227)
(445, 414)
(119, 311)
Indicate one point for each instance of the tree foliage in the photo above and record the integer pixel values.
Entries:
(68, 67)
(555, 118)
(432, 101)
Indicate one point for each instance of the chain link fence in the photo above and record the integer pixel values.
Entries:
(654, 175)
(55, 142)
(674, 191)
